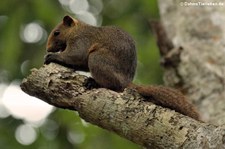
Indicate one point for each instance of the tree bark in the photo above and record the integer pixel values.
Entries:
(193, 57)
(125, 113)
(198, 36)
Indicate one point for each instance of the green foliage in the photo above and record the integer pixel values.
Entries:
(64, 129)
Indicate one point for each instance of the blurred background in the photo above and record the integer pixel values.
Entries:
(28, 123)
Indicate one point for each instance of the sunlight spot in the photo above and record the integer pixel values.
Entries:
(50, 129)
(32, 33)
(76, 137)
(96, 6)
(24, 67)
(25, 134)
(65, 2)
(21, 105)
(4, 74)
(78, 5)
(84, 123)
(87, 17)
(3, 112)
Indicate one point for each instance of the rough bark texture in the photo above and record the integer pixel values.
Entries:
(126, 113)
(194, 62)
(199, 31)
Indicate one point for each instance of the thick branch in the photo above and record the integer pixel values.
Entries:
(126, 113)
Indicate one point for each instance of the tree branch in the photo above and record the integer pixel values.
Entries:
(126, 113)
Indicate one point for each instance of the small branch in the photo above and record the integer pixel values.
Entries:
(126, 113)
(170, 56)
(163, 42)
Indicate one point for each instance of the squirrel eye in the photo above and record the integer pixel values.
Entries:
(56, 33)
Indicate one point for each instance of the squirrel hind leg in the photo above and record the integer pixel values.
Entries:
(105, 73)
(108, 79)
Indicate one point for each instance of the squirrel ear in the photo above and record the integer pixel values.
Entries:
(68, 21)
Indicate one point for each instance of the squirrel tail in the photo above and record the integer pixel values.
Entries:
(167, 97)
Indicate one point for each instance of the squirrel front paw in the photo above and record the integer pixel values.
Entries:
(49, 58)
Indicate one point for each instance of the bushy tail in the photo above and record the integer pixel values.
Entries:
(167, 97)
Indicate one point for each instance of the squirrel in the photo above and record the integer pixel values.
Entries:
(109, 54)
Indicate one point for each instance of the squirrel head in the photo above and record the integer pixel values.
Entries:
(58, 37)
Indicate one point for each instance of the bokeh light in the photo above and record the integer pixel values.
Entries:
(76, 137)
(50, 129)
(87, 17)
(21, 105)
(32, 33)
(65, 2)
(25, 134)
(24, 67)
(95, 6)
(76, 6)
(86, 11)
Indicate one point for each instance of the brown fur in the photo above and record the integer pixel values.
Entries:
(167, 97)
(110, 55)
